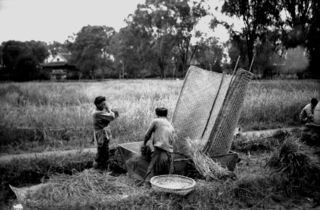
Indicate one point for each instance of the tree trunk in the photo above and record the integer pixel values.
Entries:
(123, 69)
(250, 50)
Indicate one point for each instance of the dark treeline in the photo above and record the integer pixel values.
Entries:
(280, 36)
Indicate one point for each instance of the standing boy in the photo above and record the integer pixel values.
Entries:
(102, 116)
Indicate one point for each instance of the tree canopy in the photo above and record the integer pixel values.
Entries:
(22, 59)
(161, 39)
(90, 50)
(282, 25)
(257, 16)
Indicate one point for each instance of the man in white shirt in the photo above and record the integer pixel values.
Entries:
(163, 134)
(306, 115)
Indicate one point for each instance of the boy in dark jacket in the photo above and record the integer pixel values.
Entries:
(101, 117)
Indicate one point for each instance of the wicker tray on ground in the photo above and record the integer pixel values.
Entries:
(171, 183)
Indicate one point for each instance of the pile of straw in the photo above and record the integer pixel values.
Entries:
(206, 166)
(297, 167)
(79, 188)
(260, 143)
(293, 159)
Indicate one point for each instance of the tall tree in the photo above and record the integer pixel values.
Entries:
(57, 47)
(118, 51)
(11, 51)
(39, 50)
(22, 58)
(159, 34)
(156, 22)
(297, 21)
(187, 17)
(313, 41)
(91, 48)
(27, 68)
(300, 26)
(257, 16)
(1, 59)
(210, 54)
(181, 18)
(130, 48)
(138, 40)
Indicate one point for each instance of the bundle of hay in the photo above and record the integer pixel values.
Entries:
(310, 137)
(243, 144)
(297, 168)
(251, 189)
(206, 166)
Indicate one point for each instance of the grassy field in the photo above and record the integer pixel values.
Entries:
(57, 116)
(39, 117)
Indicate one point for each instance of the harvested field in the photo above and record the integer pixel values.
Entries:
(259, 184)
(38, 117)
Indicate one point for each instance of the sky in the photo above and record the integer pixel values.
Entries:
(55, 20)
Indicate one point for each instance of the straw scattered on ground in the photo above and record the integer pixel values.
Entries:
(80, 188)
(255, 188)
(259, 144)
(205, 165)
(297, 167)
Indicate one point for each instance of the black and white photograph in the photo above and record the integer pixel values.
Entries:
(159, 104)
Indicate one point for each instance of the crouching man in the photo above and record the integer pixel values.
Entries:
(162, 133)
(306, 115)
(102, 116)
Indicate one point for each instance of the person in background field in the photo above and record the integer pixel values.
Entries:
(102, 116)
(306, 115)
(163, 134)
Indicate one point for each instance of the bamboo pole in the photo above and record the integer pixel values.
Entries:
(254, 55)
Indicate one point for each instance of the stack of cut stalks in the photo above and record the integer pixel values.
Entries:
(205, 165)
(82, 187)
(297, 167)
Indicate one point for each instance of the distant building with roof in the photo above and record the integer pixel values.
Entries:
(59, 68)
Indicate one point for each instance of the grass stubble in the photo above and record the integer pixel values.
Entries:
(260, 182)
(287, 176)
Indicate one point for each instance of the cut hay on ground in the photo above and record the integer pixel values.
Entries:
(82, 188)
(205, 165)
(297, 167)
(260, 143)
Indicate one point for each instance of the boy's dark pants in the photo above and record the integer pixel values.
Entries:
(102, 156)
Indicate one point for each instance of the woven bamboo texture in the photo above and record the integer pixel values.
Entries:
(201, 97)
(221, 135)
(208, 109)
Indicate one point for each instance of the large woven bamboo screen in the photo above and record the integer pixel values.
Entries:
(208, 109)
